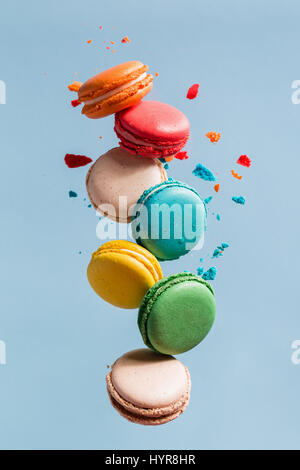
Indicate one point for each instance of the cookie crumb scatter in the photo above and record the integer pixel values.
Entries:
(208, 199)
(181, 156)
(204, 173)
(200, 271)
(72, 194)
(75, 161)
(213, 136)
(244, 160)
(238, 199)
(210, 274)
(74, 86)
(75, 103)
(193, 91)
(125, 39)
(236, 175)
(217, 187)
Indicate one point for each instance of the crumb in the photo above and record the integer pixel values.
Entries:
(208, 199)
(218, 217)
(193, 91)
(217, 252)
(79, 252)
(108, 366)
(125, 39)
(75, 103)
(213, 136)
(217, 187)
(166, 166)
(200, 271)
(107, 47)
(239, 199)
(113, 51)
(236, 175)
(244, 160)
(201, 260)
(75, 161)
(89, 41)
(181, 156)
(75, 86)
(72, 194)
(89, 206)
(156, 74)
(100, 137)
(100, 27)
(210, 274)
(204, 173)
(112, 42)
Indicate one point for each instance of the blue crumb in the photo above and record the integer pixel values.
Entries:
(210, 274)
(79, 252)
(208, 199)
(200, 271)
(90, 205)
(217, 253)
(166, 166)
(238, 199)
(201, 260)
(72, 194)
(218, 217)
(204, 173)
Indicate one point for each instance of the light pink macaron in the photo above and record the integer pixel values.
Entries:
(148, 388)
(117, 179)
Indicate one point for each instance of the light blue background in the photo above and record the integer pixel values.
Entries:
(59, 335)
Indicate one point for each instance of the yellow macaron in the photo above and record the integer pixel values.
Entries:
(121, 272)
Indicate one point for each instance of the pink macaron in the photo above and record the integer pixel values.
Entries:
(152, 129)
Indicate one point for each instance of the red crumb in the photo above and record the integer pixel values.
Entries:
(125, 39)
(217, 187)
(89, 41)
(75, 161)
(100, 27)
(107, 47)
(193, 91)
(75, 86)
(236, 175)
(75, 103)
(156, 74)
(213, 136)
(244, 160)
(182, 156)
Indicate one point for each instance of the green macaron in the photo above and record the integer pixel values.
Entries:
(177, 313)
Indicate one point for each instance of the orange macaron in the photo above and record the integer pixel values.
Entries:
(115, 89)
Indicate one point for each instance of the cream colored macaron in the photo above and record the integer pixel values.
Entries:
(117, 180)
(148, 388)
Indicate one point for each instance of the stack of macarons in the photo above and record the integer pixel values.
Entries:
(129, 184)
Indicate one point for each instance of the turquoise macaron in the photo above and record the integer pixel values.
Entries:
(169, 219)
(177, 313)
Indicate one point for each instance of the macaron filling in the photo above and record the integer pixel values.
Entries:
(116, 90)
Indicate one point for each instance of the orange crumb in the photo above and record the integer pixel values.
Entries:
(89, 41)
(108, 366)
(114, 51)
(217, 187)
(75, 86)
(236, 175)
(213, 136)
(112, 42)
(125, 39)
(156, 74)
(100, 137)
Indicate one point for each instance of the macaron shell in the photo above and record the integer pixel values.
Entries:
(110, 79)
(117, 173)
(155, 121)
(120, 101)
(119, 278)
(178, 235)
(149, 380)
(177, 313)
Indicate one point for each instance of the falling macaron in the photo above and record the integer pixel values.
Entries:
(152, 129)
(148, 388)
(115, 89)
(117, 180)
